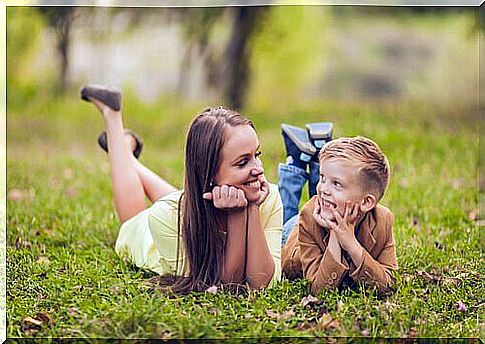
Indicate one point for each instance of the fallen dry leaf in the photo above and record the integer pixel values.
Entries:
(280, 316)
(340, 305)
(43, 260)
(335, 324)
(212, 290)
(271, 314)
(412, 333)
(457, 183)
(21, 243)
(308, 300)
(31, 322)
(67, 174)
(31, 325)
(473, 215)
(166, 335)
(404, 183)
(45, 318)
(15, 195)
(72, 311)
(71, 192)
(427, 276)
(324, 322)
(461, 307)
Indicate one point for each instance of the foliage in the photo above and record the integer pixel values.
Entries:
(64, 274)
(23, 28)
(287, 53)
(60, 19)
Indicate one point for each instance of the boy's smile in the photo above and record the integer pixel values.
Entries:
(339, 182)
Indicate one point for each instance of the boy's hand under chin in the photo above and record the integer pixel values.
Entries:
(317, 214)
(344, 228)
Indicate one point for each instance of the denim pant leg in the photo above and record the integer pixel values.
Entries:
(288, 227)
(314, 178)
(290, 183)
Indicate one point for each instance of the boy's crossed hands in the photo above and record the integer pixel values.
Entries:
(342, 229)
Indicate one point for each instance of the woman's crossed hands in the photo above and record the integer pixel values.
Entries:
(227, 197)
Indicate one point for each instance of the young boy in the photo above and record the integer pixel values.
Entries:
(343, 235)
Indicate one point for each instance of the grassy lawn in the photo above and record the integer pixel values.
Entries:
(61, 227)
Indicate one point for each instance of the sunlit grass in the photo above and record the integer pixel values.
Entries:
(62, 227)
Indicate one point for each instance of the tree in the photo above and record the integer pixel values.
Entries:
(234, 76)
(60, 19)
(236, 73)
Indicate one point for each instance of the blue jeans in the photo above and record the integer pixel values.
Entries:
(291, 180)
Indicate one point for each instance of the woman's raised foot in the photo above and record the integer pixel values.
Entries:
(104, 98)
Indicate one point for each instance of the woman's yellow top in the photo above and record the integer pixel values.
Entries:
(149, 239)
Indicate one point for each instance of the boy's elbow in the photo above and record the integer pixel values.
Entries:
(317, 288)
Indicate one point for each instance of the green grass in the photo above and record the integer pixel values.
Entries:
(61, 232)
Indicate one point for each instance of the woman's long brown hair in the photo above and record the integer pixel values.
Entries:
(200, 226)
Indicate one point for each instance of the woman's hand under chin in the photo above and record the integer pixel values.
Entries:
(263, 191)
(226, 197)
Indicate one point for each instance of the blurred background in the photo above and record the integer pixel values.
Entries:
(248, 57)
(390, 73)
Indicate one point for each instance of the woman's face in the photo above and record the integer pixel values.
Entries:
(240, 165)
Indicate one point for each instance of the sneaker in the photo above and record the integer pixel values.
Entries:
(320, 133)
(297, 144)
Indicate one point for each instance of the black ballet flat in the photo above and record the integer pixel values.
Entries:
(103, 142)
(108, 96)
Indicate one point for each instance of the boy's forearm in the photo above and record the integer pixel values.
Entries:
(356, 252)
(334, 247)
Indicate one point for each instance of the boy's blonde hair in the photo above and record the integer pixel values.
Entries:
(374, 170)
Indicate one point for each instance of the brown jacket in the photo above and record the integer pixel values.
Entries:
(305, 253)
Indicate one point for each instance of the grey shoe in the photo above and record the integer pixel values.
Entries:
(103, 142)
(297, 143)
(106, 95)
(320, 133)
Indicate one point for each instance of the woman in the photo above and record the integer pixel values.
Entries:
(224, 227)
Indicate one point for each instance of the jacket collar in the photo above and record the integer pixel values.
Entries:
(366, 228)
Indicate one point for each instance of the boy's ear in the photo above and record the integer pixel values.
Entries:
(368, 203)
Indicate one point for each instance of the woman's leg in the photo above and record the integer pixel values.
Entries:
(154, 186)
(128, 191)
(131, 180)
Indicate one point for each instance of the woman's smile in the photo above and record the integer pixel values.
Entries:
(240, 164)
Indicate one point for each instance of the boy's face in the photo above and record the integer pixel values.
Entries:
(339, 182)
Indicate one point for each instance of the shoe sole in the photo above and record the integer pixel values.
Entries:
(108, 96)
(306, 148)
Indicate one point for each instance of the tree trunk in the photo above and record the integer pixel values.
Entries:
(236, 73)
(63, 43)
